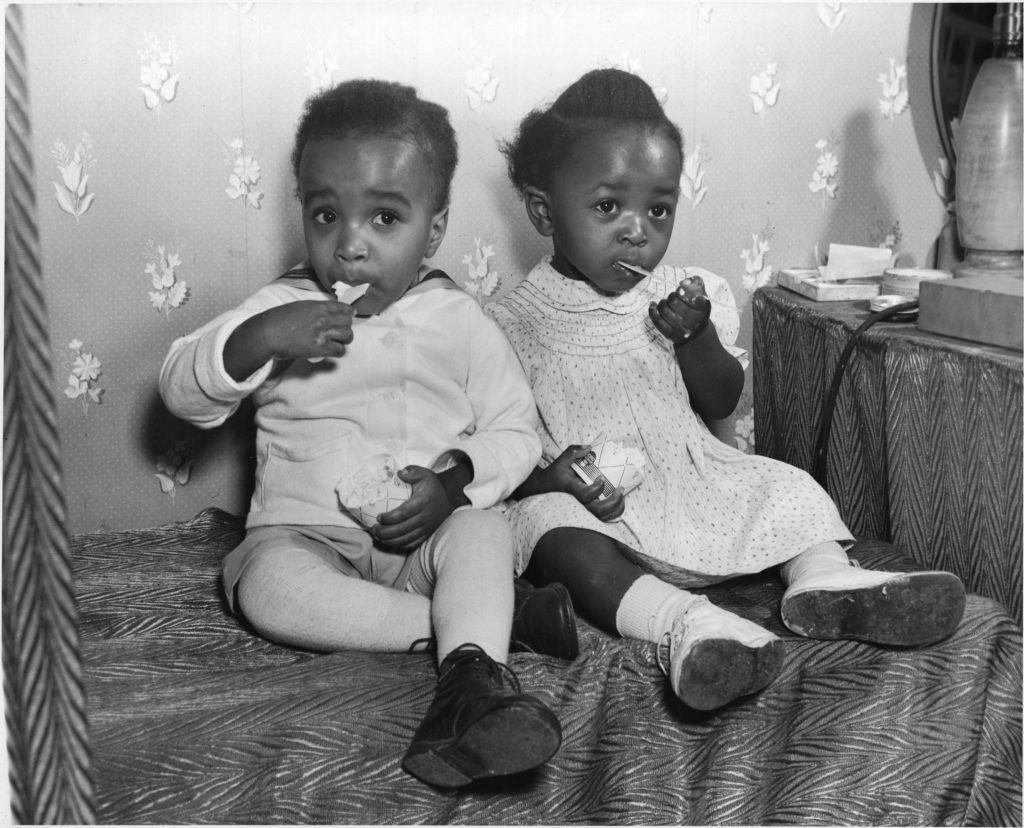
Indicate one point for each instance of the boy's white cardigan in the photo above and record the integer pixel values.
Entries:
(428, 376)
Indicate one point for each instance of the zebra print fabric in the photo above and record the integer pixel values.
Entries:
(195, 719)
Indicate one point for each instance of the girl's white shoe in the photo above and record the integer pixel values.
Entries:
(712, 656)
(903, 609)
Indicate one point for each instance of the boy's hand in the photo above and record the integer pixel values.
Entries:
(409, 525)
(560, 477)
(293, 331)
(684, 313)
(308, 329)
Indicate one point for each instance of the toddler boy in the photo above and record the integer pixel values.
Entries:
(410, 376)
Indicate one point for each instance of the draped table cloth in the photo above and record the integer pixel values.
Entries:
(925, 447)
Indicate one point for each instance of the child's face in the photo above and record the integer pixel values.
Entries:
(614, 200)
(368, 213)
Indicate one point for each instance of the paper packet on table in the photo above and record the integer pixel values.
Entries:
(848, 261)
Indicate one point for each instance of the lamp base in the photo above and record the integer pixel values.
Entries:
(991, 263)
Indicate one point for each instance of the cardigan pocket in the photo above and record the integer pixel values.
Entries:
(291, 480)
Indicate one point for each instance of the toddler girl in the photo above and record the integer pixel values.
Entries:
(616, 351)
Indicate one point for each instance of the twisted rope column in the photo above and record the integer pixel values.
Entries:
(47, 733)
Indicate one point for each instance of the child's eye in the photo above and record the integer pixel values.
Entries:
(661, 211)
(606, 207)
(324, 216)
(385, 218)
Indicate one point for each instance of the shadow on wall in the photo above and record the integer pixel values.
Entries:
(919, 84)
(864, 216)
(229, 449)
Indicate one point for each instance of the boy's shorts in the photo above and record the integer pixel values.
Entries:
(350, 551)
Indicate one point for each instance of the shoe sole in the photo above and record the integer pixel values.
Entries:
(514, 737)
(719, 670)
(910, 611)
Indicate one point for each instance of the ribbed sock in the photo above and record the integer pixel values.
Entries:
(648, 608)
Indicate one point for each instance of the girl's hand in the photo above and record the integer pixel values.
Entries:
(411, 524)
(293, 331)
(684, 313)
(560, 477)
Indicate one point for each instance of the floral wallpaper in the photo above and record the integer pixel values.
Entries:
(162, 134)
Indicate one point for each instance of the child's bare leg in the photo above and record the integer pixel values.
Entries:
(828, 598)
(711, 656)
(295, 597)
(593, 569)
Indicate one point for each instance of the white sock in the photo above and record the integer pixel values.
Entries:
(648, 608)
(827, 555)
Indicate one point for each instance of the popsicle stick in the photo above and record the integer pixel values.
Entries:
(347, 294)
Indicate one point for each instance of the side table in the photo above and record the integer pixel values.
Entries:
(926, 439)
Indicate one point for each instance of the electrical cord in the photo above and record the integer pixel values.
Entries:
(905, 312)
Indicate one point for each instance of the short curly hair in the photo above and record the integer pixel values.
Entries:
(600, 99)
(365, 108)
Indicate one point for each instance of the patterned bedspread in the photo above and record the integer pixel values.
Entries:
(194, 719)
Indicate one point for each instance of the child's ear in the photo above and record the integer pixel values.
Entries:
(538, 208)
(438, 227)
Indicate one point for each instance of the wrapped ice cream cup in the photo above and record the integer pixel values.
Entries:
(389, 495)
(373, 489)
(620, 467)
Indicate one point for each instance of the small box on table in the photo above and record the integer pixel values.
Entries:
(985, 308)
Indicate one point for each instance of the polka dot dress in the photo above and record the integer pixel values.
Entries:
(600, 370)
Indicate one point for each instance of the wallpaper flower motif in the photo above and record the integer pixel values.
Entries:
(169, 292)
(85, 371)
(481, 85)
(173, 468)
(244, 177)
(756, 272)
(744, 432)
(691, 183)
(158, 84)
(823, 180)
(319, 70)
(895, 97)
(884, 236)
(831, 14)
(72, 190)
(764, 90)
(481, 281)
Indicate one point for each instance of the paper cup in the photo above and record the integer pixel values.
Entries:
(622, 466)
(389, 496)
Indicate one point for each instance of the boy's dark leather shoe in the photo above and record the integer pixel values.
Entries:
(543, 621)
(480, 724)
